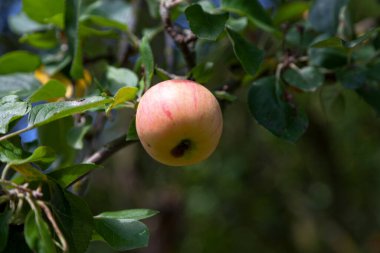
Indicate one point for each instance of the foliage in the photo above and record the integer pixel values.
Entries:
(77, 64)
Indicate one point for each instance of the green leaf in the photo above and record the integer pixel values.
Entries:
(18, 61)
(66, 176)
(52, 89)
(40, 154)
(119, 11)
(76, 135)
(248, 54)
(270, 110)
(42, 40)
(37, 233)
(147, 61)
(45, 113)
(123, 95)
(122, 234)
(352, 77)
(45, 11)
(324, 15)
(54, 134)
(205, 25)
(132, 132)
(120, 77)
(5, 218)
(21, 24)
(237, 24)
(11, 108)
(153, 7)
(329, 58)
(203, 72)
(72, 24)
(335, 42)
(11, 150)
(371, 94)
(103, 21)
(73, 216)
(135, 214)
(224, 95)
(290, 11)
(307, 79)
(29, 172)
(253, 10)
(18, 84)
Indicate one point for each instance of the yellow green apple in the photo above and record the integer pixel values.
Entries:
(179, 122)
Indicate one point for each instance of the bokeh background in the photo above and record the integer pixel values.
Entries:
(256, 193)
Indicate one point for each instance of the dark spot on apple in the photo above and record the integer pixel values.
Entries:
(149, 145)
(181, 148)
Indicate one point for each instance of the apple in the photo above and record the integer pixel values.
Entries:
(179, 122)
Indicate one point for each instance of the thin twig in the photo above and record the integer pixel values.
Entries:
(104, 153)
(7, 136)
(184, 38)
(50, 217)
(5, 170)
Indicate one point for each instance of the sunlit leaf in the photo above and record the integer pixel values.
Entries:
(18, 61)
(11, 108)
(51, 90)
(135, 214)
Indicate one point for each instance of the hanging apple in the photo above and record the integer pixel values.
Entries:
(179, 122)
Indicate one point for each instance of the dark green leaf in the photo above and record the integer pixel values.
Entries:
(205, 25)
(74, 218)
(307, 79)
(352, 77)
(324, 15)
(103, 21)
(122, 234)
(45, 113)
(11, 150)
(18, 61)
(66, 176)
(43, 40)
(154, 7)
(371, 94)
(37, 233)
(132, 132)
(267, 105)
(202, 72)
(333, 42)
(11, 108)
(135, 214)
(329, 58)
(45, 11)
(18, 84)
(248, 54)
(40, 154)
(147, 61)
(252, 9)
(237, 24)
(76, 135)
(55, 135)
(52, 89)
(373, 71)
(72, 12)
(4, 228)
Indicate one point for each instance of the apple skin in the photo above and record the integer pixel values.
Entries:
(179, 122)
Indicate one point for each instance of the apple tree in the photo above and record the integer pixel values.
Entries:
(69, 68)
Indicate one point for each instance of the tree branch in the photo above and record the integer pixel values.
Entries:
(109, 149)
(184, 38)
